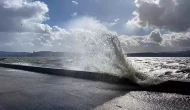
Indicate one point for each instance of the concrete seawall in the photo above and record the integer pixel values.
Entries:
(71, 73)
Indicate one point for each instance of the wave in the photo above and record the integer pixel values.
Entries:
(103, 53)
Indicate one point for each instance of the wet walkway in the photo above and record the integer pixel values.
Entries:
(22, 90)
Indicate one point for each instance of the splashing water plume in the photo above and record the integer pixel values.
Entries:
(101, 50)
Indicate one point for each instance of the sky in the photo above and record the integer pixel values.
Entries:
(59, 25)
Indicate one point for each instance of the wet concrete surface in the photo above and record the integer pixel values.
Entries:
(22, 90)
(143, 100)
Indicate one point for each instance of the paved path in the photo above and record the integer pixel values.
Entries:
(22, 90)
(142, 100)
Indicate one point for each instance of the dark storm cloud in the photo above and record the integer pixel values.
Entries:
(172, 15)
(168, 14)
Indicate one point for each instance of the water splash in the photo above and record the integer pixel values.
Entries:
(104, 54)
(101, 50)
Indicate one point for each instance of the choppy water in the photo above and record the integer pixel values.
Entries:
(175, 68)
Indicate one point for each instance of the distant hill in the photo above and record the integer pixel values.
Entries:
(46, 54)
(13, 54)
(161, 54)
(51, 54)
(36, 54)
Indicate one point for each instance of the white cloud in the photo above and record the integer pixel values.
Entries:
(155, 42)
(22, 15)
(21, 24)
(75, 2)
(23, 32)
(116, 20)
(111, 24)
(74, 14)
(134, 25)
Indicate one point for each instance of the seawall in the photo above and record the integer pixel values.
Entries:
(73, 73)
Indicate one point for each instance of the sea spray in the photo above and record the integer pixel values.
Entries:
(124, 64)
(106, 56)
(101, 50)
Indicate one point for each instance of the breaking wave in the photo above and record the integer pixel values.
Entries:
(103, 53)
(101, 50)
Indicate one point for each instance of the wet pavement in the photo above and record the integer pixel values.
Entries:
(142, 100)
(22, 90)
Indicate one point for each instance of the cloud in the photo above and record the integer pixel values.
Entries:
(21, 25)
(155, 36)
(116, 20)
(75, 2)
(155, 42)
(28, 33)
(22, 16)
(169, 15)
(111, 24)
(133, 25)
(165, 14)
(74, 14)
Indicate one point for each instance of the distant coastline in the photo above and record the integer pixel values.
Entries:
(36, 54)
(161, 54)
(62, 54)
